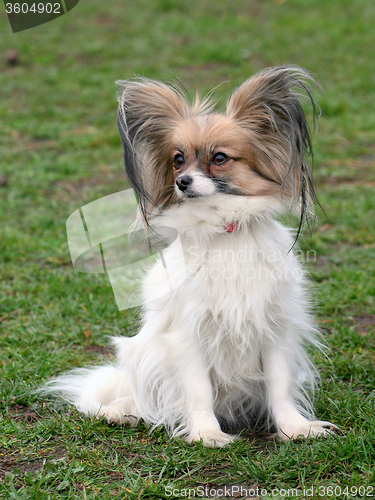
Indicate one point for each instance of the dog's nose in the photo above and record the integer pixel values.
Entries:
(184, 182)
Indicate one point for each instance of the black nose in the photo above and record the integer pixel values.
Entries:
(184, 182)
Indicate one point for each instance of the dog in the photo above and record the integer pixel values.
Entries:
(226, 344)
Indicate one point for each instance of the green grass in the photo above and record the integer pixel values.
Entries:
(60, 150)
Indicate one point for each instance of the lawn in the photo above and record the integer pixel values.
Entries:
(60, 150)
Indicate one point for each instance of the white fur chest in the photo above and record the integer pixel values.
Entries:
(236, 281)
(240, 277)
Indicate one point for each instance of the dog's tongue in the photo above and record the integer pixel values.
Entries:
(231, 227)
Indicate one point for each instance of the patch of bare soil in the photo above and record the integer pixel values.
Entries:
(79, 188)
(99, 349)
(106, 176)
(355, 172)
(321, 262)
(35, 145)
(11, 461)
(364, 323)
(21, 413)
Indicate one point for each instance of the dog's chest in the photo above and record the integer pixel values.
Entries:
(233, 270)
(236, 281)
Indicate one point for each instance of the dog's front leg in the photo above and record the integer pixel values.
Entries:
(201, 422)
(289, 422)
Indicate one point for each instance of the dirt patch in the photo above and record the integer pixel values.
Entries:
(338, 181)
(321, 267)
(99, 349)
(366, 161)
(353, 172)
(10, 464)
(12, 461)
(35, 145)
(3, 181)
(254, 9)
(82, 189)
(105, 19)
(322, 262)
(79, 188)
(21, 413)
(364, 323)
(28, 416)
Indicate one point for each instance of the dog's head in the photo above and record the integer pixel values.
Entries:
(174, 150)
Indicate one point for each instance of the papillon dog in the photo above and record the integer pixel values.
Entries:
(225, 345)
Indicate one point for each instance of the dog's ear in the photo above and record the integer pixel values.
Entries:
(268, 105)
(147, 116)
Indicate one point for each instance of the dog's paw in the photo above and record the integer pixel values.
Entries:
(211, 439)
(307, 429)
(115, 415)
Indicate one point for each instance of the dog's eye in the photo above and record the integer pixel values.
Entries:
(219, 158)
(178, 160)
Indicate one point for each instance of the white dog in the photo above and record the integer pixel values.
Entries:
(227, 341)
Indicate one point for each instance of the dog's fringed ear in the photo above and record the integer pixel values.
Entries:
(269, 106)
(147, 115)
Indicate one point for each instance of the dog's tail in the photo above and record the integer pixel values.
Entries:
(88, 389)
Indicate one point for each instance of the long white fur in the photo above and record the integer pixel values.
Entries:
(227, 343)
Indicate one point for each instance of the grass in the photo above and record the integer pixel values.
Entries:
(60, 150)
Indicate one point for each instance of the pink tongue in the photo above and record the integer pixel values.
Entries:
(231, 227)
